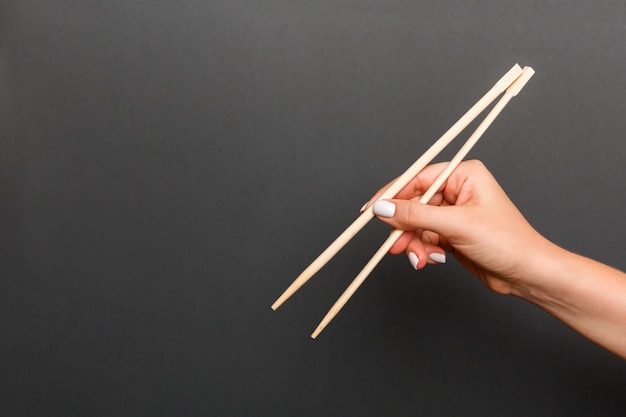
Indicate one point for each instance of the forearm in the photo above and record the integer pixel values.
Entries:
(588, 296)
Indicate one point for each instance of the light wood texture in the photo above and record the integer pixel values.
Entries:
(502, 84)
(434, 187)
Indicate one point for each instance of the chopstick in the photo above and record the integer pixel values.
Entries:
(511, 92)
(503, 83)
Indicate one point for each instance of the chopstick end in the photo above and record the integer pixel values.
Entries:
(508, 78)
(521, 81)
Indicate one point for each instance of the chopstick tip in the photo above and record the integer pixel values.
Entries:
(283, 297)
(320, 327)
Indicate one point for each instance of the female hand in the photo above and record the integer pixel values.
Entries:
(471, 217)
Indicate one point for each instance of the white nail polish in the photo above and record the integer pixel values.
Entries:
(363, 208)
(440, 258)
(384, 208)
(414, 260)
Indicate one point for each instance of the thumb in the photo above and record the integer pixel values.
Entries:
(412, 215)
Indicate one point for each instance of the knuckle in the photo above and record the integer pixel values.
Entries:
(410, 215)
(475, 164)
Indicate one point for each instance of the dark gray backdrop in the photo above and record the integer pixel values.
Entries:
(167, 168)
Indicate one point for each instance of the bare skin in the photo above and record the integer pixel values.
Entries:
(473, 218)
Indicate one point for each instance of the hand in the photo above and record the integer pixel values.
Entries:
(471, 217)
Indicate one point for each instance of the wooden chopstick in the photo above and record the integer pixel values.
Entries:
(503, 83)
(511, 92)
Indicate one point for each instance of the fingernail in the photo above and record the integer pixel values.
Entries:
(414, 260)
(440, 258)
(363, 208)
(384, 208)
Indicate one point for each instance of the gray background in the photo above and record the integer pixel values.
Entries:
(168, 168)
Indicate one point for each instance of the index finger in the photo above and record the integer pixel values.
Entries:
(417, 186)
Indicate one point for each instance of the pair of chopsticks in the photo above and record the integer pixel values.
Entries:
(510, 84)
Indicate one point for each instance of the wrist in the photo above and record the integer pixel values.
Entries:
(544, 276)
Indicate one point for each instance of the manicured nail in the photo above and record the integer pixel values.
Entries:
(384, 208)
(440, 258)
(363, 208)
(414, 260)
